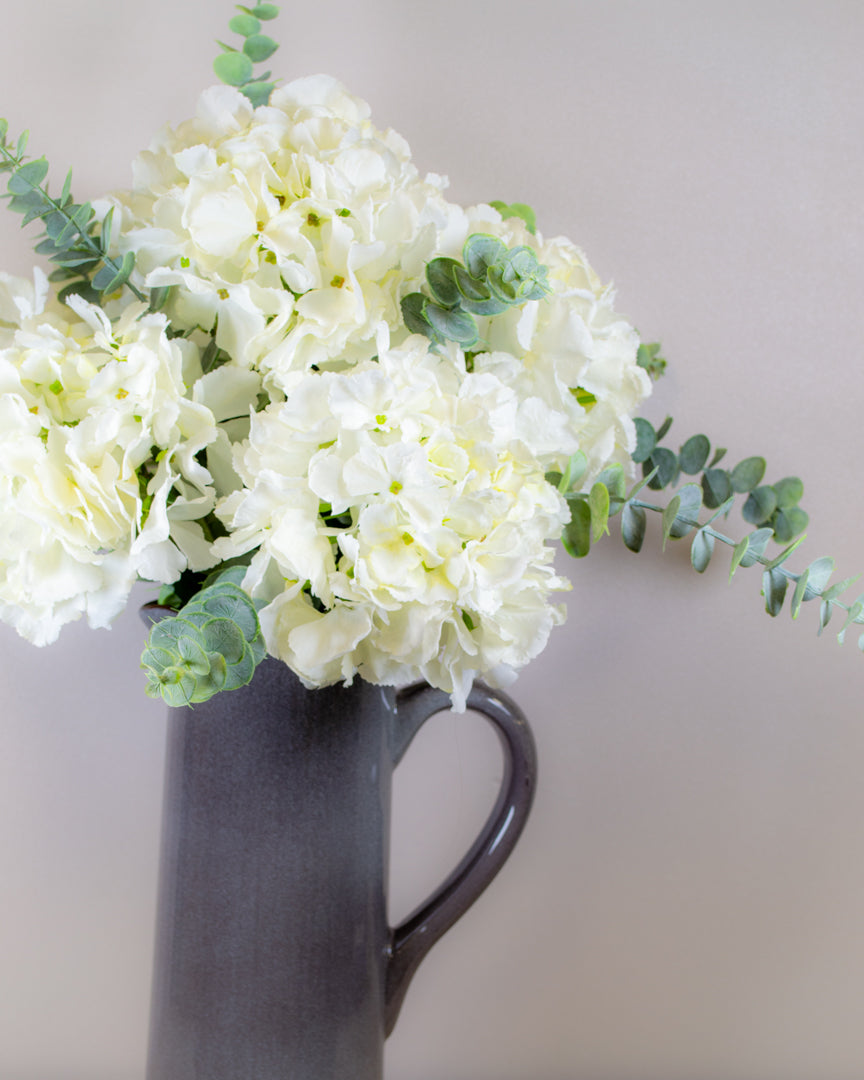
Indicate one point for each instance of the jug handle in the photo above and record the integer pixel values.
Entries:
(413, 938)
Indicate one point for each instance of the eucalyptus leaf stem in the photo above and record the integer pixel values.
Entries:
(764, 560)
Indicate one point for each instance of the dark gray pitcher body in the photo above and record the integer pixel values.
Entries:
(274, 958)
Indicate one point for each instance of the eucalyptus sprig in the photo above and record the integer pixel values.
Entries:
(236, 67)
(72, 239)
(490, 279)
(773, 506)
(680, 517)
(213, 643)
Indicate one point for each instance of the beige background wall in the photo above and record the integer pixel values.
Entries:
(687, 900)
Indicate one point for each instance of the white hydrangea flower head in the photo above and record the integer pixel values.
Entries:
(430, 556)
(389, 496)
(83, 404)
(291, 227)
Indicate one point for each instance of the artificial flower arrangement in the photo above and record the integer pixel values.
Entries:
(335, 417)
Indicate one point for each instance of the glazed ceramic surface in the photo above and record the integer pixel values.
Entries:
(274, 957)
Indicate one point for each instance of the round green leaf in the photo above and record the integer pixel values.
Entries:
(787, 524)
(440, 275)
(716, 487)
(694, 453)
(234, 68)
(265, 11)
(480, 252)
(259, 47)
(747, 474)
(760, 505)
(412, 313)
(456, 326)
(689, 505)
(701, 551)
(788, 492)
(646, 440)
(633, 525)
(666, 463)
(245, 25)
(258, 93)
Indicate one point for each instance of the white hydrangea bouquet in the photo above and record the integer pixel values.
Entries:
(337, 418)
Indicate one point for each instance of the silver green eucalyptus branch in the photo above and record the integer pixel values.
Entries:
(236, 67)
(773, 508)
(71, 238)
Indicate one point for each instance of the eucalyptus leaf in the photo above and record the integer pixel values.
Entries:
(257, 92)
(576, 537)
(441, 278)
(693, 454)
(573, 472)
(669, 515)
(760, 505)
(234, 68)
(598, 504)
(614, 479)
(666, 463)
(689, 505)
(789, 523)
(481, 252)
(757, 542)
(738, 554)
(798, 595)
(788, 492)
(701, 551)
(28, 176)
(453, 325)
(774, 585)
(259, 47)
(716, 487)
(245, 25)
(818, 575)
(646, 440)
(748, 474)
(633, 526)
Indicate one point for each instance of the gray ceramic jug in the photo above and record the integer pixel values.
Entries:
(274, 958)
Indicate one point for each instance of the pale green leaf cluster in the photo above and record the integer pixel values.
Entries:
(72, 238)
(236, 67)
(490, 279)
(213, 643)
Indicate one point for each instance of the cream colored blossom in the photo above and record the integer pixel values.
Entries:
(390, 499)
(84, 506)
(293, 228)
(430, 557)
